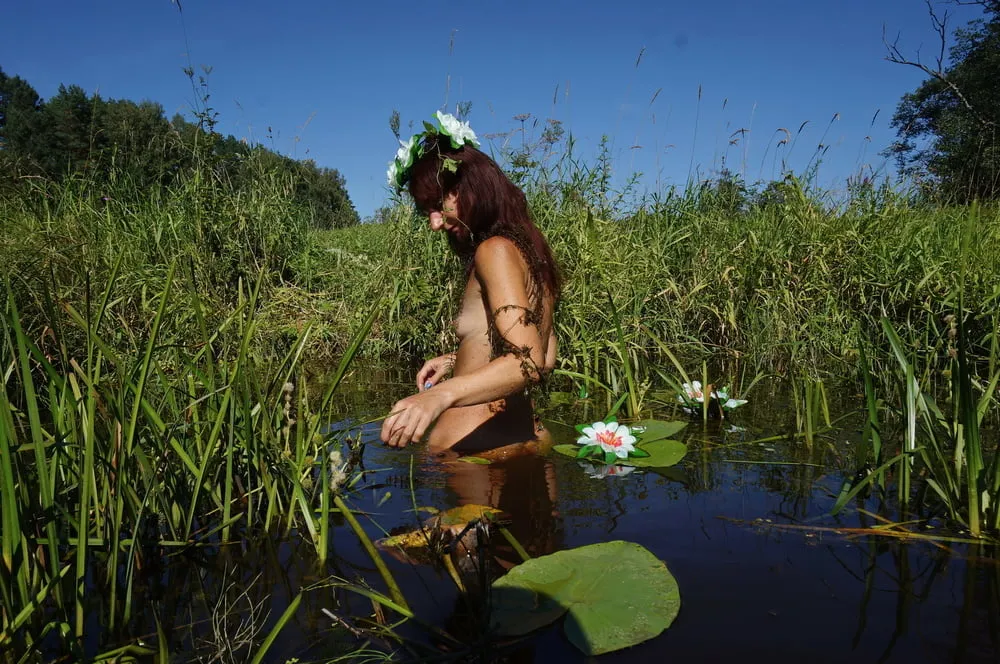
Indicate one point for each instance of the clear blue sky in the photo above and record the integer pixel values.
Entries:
(319, 78)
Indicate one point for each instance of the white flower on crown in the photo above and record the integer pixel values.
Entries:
(404, 155)
(459, 132)
(392, 174)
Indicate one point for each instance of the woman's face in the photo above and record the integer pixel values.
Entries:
(447, 217)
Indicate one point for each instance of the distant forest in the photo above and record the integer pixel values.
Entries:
(118, 144)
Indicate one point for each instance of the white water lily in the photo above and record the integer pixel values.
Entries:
(460, 132)
(692, 391)
(610, 470)
(694, 394)
(610, 437)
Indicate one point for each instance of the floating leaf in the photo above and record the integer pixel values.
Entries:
(529, 604)
(567, 450)
(408, 541)
(476, 460)
(461, 516)
(659, 454)
(662, 453)
(615, 594)
(656, 429)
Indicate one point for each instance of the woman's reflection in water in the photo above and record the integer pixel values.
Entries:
(522, 484)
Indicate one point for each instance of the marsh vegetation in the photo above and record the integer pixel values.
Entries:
(194, 355)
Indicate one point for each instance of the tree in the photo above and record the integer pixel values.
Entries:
(70, 132)
(111, 141)
(324, 193)
(948, 128)
(135, 140)
(20, 115)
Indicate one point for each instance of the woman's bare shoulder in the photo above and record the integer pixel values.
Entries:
(499, 254)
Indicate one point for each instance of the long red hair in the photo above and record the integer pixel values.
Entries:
(489, 204)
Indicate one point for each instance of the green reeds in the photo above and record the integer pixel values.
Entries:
(114, 460)
(782, 282)
(941, 447)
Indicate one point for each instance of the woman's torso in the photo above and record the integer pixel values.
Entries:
(497, 423)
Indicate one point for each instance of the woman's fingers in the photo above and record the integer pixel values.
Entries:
(427, 381)
(410, 419)
(410, 431)
(422, 376)
(392, 424)
(429, 373)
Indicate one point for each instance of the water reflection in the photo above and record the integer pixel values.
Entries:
(749, 590)
(523, 487)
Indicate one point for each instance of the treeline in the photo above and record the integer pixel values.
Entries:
(118, 145)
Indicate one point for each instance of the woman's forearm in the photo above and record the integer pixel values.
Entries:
(500, 378)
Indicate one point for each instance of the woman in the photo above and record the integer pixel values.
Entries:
(505, 321)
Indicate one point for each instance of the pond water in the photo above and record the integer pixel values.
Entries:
(742, 524)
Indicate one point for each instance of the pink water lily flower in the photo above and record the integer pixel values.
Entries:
(610, 436)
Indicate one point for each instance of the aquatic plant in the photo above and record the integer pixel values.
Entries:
(609, 441)
(693, 398)
(110, 462)
(645, 444)
(943, 464)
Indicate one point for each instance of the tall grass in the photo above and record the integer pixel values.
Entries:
(157, 393)
(60, 242)
(774, 281)
(949, 376)
(109, 460)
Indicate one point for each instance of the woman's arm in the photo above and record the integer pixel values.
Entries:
(503, 277)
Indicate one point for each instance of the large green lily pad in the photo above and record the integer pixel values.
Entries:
(652, 439)
(615, 595)
(662, 453)
(657, 429)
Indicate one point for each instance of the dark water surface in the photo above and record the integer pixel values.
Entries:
(752, 588)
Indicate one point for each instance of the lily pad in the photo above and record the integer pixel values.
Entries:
(480, 461)
(461, 516)
(615, 595)
(656, 429)
(567, 450)
(662, 453)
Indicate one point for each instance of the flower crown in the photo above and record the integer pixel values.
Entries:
(458, 133)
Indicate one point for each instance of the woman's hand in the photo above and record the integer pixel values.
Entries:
(434, 370)
(411, 417)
